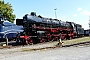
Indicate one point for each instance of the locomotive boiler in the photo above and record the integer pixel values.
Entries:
(46, 22)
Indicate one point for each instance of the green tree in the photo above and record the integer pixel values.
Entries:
(7, 11)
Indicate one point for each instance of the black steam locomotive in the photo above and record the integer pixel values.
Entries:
(40, 29)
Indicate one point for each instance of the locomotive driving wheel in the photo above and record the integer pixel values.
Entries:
(42, 40)
(30, 41)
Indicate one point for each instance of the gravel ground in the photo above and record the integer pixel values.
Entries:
(68, 53)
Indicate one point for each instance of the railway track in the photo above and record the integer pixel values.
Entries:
(46, 47)
(72, 45)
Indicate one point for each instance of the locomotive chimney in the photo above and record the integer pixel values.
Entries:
(33, 13)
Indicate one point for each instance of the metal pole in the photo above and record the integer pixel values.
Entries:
(6, 44)
(55, 13)
(6, 40)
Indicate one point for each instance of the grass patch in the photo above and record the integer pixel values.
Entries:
(26, 49)
(73, 41)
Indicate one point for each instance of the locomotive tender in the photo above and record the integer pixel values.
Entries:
(40, 29)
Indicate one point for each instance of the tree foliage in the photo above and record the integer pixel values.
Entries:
(7, 11)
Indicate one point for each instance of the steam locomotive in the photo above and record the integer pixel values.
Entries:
(41, 29)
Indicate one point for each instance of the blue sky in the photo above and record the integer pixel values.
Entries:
(77, 11)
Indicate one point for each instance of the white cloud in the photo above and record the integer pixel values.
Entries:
(85, 13)
(75, 15)
(79, 9)
(63, 16)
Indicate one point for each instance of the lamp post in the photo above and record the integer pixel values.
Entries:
(55, 13)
